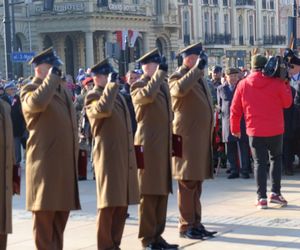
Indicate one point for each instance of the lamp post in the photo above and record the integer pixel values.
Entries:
(7, 40)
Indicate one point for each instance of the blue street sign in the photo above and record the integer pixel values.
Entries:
(21, 56)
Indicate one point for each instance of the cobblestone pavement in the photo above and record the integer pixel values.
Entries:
(228, 207)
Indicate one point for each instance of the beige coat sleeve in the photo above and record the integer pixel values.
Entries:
(36, 99)
(180, 86)
(101, 107)
(141, 94)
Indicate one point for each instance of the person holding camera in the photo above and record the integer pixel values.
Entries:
(52, 151)
(261, 99)
(113, 155)
(193, 122)
(152, 103)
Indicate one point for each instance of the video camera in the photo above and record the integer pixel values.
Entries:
(278, 66)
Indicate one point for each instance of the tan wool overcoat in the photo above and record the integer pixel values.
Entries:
(152, 104)
(113, 151)
(6, 168)
(193, 120)
(52, 146)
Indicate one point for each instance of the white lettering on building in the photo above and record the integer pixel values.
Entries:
(123, 7)
(66, 7)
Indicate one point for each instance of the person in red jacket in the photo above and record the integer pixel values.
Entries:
(262, 99)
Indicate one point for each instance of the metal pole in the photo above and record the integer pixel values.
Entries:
(14, 43)
(295, 25)
(7, 40)
(29, 27)
(29, 31)
(14, 46)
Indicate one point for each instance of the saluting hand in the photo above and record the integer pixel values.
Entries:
(163, 64)
(202, 60)
(56, 71)
(113, 77)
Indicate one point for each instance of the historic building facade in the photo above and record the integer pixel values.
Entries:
(230, 29)
(84, 32)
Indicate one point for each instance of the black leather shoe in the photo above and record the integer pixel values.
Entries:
(161, 246)
(233, 176)
(152, 246)
(205, 233)
(191, 233)
(166, 245)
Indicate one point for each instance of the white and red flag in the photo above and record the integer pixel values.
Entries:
(124, 36)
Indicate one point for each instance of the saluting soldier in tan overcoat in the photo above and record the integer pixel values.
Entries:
(193, 121)
(6, 173)
(52, 151)
(152, 103)
(113, 156)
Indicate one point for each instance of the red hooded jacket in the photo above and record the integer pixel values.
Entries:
(261, 99)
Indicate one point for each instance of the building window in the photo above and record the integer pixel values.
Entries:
(135, 1)
(225, 2)
(159, 7)
(206, 23)
(186, 27)
(272, 26)
(116, 1)
(186, 22)
(265, 25)
(241, 37)
(205, 2)
(264, 4)
(102, 3)
(216, 23)
(272, 5)
(226, 26)
(251, 30)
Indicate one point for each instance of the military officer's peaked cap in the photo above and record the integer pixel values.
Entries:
(46, 56)
(102, 68)
(151, 57)
(231, 71)
(193, 49)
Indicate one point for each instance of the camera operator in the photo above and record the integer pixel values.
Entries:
(261, 99)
